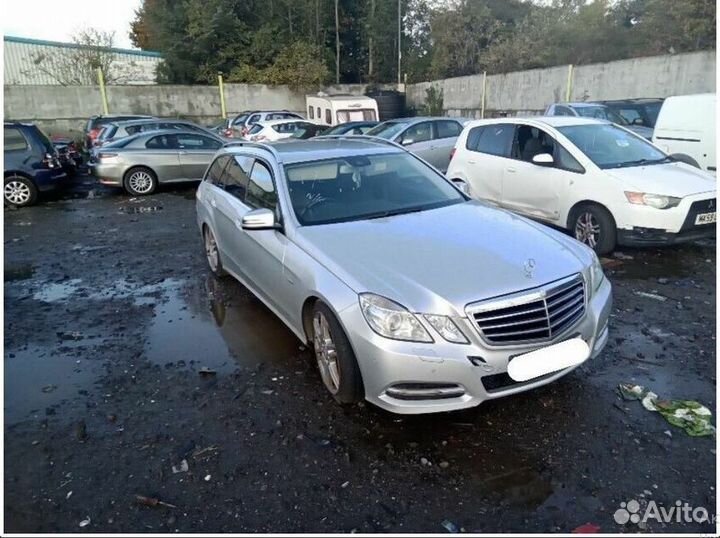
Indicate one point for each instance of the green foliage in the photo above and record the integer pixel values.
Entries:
(287, 40)
(433, 105)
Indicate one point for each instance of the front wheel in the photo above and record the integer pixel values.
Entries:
(19, 191)
(335, 358)
(140, 181)
(594, 226)
(212, 253)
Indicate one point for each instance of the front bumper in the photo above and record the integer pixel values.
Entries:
(108, 174)
(454, 376)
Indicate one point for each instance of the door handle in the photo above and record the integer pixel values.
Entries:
(472, 161)
(213, 202)
(511, 170)
(182, 152)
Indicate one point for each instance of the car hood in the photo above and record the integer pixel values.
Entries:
(440, 260)
(670, 179)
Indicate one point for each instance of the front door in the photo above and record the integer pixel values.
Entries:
(417, 139)
(195, 151)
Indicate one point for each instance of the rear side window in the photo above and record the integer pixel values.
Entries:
(255, 129)
(214, 173)
(14, 140)
(261, 190)
(473, 138)
(448, 129)
(311, 112)
(235, 177)
(496, 140)
(197, 142)
(328, 116)
(162, 142)
(562, 111)
(254, 119)
(420, 132)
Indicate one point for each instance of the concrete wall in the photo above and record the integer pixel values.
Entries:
(530, 92)
(65, 109)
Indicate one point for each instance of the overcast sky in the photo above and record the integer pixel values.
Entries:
(57, 20)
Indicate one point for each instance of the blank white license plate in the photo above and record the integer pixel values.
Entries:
(705, 218)
(548, 359)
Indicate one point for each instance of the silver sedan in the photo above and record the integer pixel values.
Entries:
(413, 296)
(139, 163)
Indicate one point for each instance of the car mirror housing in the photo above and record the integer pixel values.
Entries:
(543, 159)
(407, 141)
(259, 219)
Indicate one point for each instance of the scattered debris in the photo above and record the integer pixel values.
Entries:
(182, 468)
(205, 371)
(49, 388)
(152, 501)
(444, 465)
(345, 484)
(450, 526)
(689, 415)
(425, 461)
(651, 295)
(207, 478)
(622, 256)
(81, 431)
(207, 451)
(69, 494)
(587, 528)
(85, 522)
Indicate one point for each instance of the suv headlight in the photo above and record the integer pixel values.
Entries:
(447, 328)
(596, 273)
(391, 320)
(658, 201)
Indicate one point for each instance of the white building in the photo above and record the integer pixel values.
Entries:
(35, 61)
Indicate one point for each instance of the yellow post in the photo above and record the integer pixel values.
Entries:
(568, 91)
(222, 95)
(482, 101)
(103, 95)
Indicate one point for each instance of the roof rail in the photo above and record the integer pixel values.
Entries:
(258, 145)
(367, 138)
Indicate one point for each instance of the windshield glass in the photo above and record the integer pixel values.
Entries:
(609, 146)
(601, 113)
(387, 129)
(255, 129)
(652, 110)
(364, 187)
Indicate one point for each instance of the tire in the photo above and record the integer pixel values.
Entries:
(681, 157)
(597, 220)
(212, 253)
(345, 384)
(19, 191)
(140, 181)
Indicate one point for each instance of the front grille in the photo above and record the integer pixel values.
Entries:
(534, 316)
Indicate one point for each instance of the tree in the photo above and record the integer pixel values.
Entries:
(299, 66)
(79, 66)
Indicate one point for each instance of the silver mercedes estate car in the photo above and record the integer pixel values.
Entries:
(413, 296)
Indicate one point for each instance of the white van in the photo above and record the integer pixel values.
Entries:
(336, 109)
(685, 129)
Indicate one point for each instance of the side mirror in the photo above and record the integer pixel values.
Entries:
(543, 159)
(407, 141)
(259, 219)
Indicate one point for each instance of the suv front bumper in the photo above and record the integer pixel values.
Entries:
(414, 378)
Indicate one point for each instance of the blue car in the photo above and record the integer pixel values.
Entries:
(31, 164)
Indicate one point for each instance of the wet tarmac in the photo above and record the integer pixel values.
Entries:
(124, 357)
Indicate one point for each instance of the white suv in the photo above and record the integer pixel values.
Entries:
(603, 183)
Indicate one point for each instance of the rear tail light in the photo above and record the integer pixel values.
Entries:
(228, 133)
(50, 161)
(94, 133)
(102, 156)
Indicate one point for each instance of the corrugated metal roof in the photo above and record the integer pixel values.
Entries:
(31, 61)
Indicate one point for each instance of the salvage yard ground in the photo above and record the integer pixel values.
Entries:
(130, 370)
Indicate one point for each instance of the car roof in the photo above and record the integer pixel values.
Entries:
(270, 123)
(314, 149)
(170, 132)
(551, 121)
(581, 104)
(148, 120)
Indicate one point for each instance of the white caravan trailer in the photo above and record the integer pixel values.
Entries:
(336, 109)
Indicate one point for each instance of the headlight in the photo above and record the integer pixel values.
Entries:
(392, 320)
(658, 201)
(596, 273)
(447, 328)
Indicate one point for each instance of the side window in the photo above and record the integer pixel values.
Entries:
(563, 111)
(448, 129)
(197, 142)
(565, 161)
(496, 139)
(253, 119)
(261, 191)
(531, 141)
(420, 132)
(14, 140)
(134, 129)
(162, 142)
(317, 110)
(214, 173)
(473, 138)
(235, 177)
(328, 116)
(311, 112)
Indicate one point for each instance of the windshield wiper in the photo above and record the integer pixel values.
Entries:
(641, 162)
(393, 212)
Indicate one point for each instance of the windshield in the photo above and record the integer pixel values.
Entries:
(601, 113)
(609, 146)
(365, 187)
(652, 110)
(387, 129)
(255, 129)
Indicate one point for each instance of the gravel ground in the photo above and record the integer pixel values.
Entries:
(111, 316)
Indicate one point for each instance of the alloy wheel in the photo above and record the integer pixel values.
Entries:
(141, 182)
(326, 353)
(587, 229)
(17, 192)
